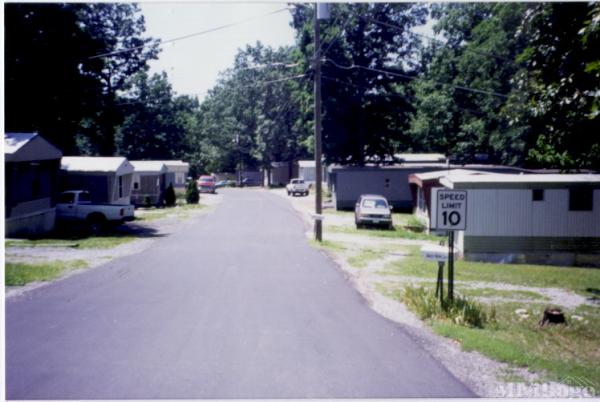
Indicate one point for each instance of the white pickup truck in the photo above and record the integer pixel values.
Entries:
(76, 206)
(297, 186)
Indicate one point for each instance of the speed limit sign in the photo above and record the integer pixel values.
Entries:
(450, 209)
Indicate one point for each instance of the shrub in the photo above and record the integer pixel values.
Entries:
(147, 202)
(461, 310)
(170, 197)
(192, 196)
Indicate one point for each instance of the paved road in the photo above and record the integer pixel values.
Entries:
(234, 306)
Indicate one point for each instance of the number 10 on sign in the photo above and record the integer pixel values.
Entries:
(449, 209)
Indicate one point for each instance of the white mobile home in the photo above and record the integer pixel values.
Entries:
(177, 173)
(421, 185)
(149, 182)
(552, 218)
(307, 170)
(31, 168)
(108, 179)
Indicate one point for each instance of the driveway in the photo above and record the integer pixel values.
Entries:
(236, 305)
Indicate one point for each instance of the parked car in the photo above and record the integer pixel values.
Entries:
(373, 209)
(206, 184)
(247, 182)
(76, 206)
(225, 183)
(297, 186)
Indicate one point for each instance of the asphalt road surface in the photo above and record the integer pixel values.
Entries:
(237, 305)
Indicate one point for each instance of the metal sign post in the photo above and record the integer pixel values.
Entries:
(449, 213)
(439, 288)
(451, 265)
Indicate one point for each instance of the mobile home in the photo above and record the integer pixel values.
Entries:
(177, 173)
(551, 218)
(347, 183)
(149, 182)
(108, 179)
(31, 169)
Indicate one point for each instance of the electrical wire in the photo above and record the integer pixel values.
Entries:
(295, 77)
(410, 77)
(162, 42)
(430, 38)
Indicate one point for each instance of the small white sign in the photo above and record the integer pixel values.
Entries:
(434, 253)
(450, 209)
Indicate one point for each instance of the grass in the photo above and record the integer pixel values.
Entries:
(575, 279)
(328, 245)
(92, 242)
(182, 210)
(399, 232)
(491, 292)
(364, 257)
(19, 274)
(559, 352)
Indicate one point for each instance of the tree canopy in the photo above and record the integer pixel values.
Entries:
(516, 84)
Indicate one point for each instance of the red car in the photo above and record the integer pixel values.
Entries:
(206, 184)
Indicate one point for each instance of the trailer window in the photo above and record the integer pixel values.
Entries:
(538, 195)
(581, 199)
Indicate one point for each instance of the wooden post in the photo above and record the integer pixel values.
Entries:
(318, 173)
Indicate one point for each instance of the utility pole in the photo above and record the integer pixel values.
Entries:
(321, 11)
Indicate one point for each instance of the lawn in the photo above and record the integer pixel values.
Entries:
(91, 242)
(581, 280)
(19, 274)
(182, 210)
(565, 353)
(399, 232)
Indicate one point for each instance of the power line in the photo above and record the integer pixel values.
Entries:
(477, 112)
(198, 93)
(162, 42)
(432, 39)
(410, 77)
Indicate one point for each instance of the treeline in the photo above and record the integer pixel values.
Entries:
(508, 83)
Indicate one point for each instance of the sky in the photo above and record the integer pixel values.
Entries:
(193, 64)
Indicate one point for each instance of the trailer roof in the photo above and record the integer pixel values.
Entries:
(518, 180)
(20, 147)
(96, 164)
(149, 166)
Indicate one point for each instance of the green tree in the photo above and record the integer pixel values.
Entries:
(248, 119)
(366, 112)
(156, 122)
(461, 96)
(121, 53)
(46, 50)
(192, 196)
(559, 85)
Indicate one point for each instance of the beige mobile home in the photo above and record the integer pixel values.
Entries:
(31, 169)
(108, 179)
(552, 218)
(177, 173)
(149, 182)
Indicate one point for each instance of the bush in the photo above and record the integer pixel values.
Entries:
(192, 196)
(147, 202)
(170, 197)
(461, 310)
